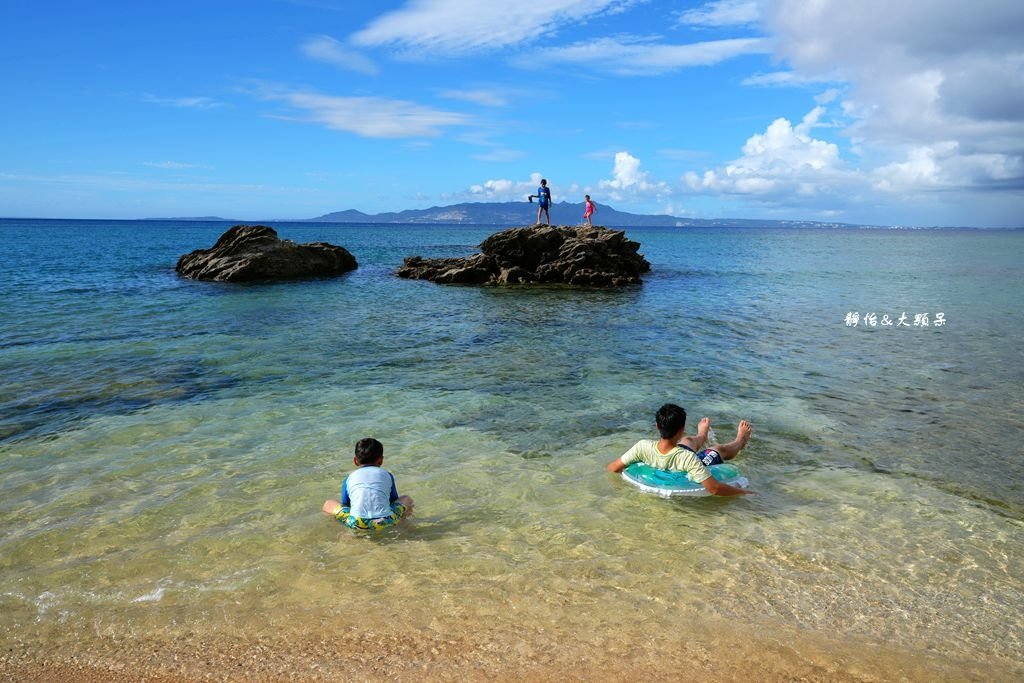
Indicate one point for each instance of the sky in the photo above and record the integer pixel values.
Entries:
(885, 112)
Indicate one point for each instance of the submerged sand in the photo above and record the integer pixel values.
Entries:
(333, 649)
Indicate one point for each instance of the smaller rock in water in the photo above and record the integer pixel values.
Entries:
(253, 253)
(583, 256)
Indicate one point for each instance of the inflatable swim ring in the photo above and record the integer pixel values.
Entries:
(669, 484)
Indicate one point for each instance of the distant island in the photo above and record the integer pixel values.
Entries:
(524, 213)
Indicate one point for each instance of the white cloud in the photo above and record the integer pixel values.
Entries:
(370, 117)
(785, 168)
(634, 56)
(465, 26)
(784, 159)
(182, 102)
(789, 147)
(482, 96)
(329, 50)
(502, 190)
(722, 13)
(787, 79)
(942, 166)
(935, 88)
(828, 96)
(629, 182)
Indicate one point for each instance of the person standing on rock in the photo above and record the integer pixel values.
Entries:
(588, 211)
(543, 200)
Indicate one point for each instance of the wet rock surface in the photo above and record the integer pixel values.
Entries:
(582, 256)
(254, 253)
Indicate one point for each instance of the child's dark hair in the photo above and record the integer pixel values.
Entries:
(670, 418)
(369, 451)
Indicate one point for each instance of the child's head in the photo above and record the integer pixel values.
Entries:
(369, 451)
(543, 182)
(587, 197)
(671, 419)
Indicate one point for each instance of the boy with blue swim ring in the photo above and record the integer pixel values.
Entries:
(369, 497)
(676, 451)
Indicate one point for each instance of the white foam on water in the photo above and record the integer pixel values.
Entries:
(154, 596)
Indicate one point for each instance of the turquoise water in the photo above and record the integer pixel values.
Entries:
(165, 445)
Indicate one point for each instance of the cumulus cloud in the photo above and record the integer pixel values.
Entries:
(629, 182)
(942, 166)
(328, 50)
(722, 13)
(636, 56)
(784, 159)
(465, 26)
(935, 90)
(787, 166)
(370, 117)
(502, 190)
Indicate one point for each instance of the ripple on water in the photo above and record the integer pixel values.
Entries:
(165, 446)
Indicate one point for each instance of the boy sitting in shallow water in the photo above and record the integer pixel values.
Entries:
(369, 497)
(678, 452)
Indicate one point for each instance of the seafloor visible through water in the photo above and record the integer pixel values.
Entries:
(165, 446)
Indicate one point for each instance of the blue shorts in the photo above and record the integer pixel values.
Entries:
(709, 457)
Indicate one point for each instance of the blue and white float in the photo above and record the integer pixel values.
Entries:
(669, 484)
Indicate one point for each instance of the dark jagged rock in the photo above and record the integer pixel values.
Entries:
(250, 253)
(585, 256)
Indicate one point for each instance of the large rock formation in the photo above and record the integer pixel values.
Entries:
(248, 253)
(594, 257)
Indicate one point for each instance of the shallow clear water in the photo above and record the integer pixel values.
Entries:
(165, 445)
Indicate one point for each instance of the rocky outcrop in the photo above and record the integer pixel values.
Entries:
(250, 253)
(584, 256)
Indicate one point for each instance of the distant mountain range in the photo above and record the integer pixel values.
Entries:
(524, 213)
(564, 213)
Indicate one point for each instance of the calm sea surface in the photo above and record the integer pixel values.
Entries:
(165, 445)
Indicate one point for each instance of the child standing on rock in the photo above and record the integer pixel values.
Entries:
(588, 211)
(543, 201)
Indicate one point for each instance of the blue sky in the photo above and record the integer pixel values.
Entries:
(886, 112)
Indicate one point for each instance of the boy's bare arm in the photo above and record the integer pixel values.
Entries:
(616, 465)
(717, 488)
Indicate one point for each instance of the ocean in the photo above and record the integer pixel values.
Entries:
(165, 447)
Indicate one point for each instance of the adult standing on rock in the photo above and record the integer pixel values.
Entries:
(543, 201)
